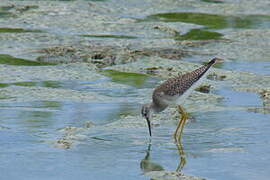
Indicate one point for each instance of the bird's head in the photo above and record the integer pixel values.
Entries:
(146, 113)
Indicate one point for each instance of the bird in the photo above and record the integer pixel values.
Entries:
(173, 92)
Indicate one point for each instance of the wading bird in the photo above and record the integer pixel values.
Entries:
(173, 92)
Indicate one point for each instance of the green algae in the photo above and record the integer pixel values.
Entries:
(54, 104)
(4, 97)
(4, 14)
(48, 84)
(51, 84)
(85, 0)
(213, 21)
(4, 11)
(2, 85)
(10, 60)
(210, 22)
(6, 8)
(133, 79)
(26, 84)
(213, 1)
(109, 36)
(199, 34)
(17, 30)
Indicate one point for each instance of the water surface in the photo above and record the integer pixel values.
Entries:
(232, 143)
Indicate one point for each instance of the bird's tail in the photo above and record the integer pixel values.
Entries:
(198, 73)
(214, 60)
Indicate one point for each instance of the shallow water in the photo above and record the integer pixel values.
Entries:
(227, 143)
(238, 65)
(232, 143)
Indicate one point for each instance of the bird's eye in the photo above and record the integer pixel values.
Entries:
(144, 113)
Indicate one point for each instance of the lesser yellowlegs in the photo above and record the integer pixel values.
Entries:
(173, 92)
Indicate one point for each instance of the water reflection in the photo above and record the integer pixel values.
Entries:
(182, 157)
(147, 166)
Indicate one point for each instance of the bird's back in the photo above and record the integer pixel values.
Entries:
(170, 90)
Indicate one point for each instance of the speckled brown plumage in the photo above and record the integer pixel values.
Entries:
(173, 92)
(177, 86)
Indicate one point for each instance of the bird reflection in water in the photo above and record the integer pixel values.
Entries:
(151, 169)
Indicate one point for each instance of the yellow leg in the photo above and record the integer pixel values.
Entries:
(182, 157)
(180, 126)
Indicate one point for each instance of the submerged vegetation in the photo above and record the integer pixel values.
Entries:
(10, 60)
(18, 30)
(210, 22)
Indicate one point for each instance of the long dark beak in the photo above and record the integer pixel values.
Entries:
(149, 126)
